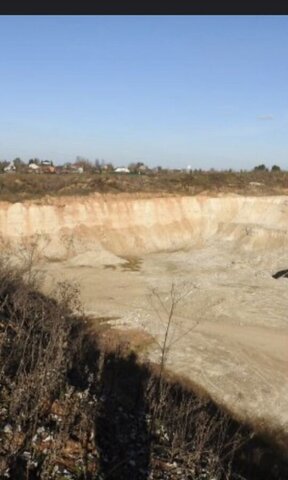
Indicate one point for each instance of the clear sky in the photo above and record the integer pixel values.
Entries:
(205, 91)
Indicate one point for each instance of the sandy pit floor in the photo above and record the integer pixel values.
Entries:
(229, 329)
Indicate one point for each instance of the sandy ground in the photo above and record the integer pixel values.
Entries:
(229, 330)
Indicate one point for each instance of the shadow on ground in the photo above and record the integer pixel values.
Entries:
(121, 429)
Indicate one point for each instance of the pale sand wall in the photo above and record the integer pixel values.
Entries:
(135, 224)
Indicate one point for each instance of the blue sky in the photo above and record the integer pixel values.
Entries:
(205, 91)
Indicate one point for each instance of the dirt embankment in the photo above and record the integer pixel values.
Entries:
(138, 224)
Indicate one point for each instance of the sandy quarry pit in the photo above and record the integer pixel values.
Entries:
(229, 332)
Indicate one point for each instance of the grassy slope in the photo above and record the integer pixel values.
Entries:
(18, 187)
(78, 407)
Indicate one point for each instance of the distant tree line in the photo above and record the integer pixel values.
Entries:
(263, 168)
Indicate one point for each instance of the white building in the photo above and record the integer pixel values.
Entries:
(10, 168)
(121, 170)
(33, 167)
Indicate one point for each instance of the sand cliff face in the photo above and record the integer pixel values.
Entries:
(134, 225)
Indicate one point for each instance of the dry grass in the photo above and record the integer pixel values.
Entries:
(84, 404)
(132, 264)
(19, 187)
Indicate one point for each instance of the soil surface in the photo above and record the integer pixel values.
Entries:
(229, 328)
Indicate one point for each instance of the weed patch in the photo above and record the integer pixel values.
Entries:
(81, 406)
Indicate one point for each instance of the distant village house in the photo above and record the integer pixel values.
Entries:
(121, 170)
(10, 168)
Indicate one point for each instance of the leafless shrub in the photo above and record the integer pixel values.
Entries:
(189, 430)
(36, 355)
(53, 377)
(195, 431)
